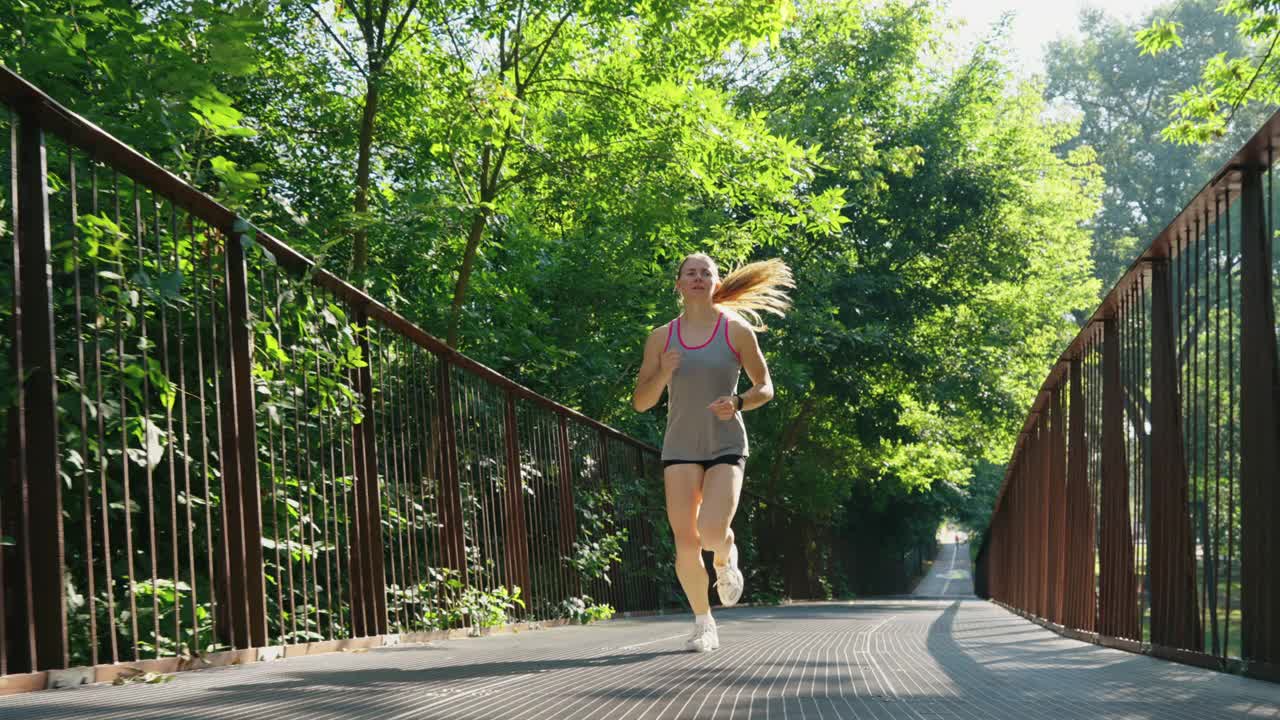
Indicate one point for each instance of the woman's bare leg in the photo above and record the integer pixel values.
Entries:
(720, 490)
(684, 494)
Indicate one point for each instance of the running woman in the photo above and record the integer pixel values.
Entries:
(697, 358)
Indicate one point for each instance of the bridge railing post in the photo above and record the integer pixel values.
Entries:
(244, 589)
(1081, 608)
(1058, 505)
(35, 609)
(368, 580)
(1175, 621)
(1259, 430)
(1043, 510)
(1117, 596)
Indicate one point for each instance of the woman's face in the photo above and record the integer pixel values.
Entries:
(698, 279)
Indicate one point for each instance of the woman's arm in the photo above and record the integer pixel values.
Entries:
(655, 370)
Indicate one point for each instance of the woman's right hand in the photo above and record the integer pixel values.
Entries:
(669, 363)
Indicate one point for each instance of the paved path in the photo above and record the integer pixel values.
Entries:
(951, 575)
(882, 660)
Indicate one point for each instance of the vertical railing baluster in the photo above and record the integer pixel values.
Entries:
(1058, 503)
(357, 535)
(368, 546)
(515, 531)
(619, 588)
(451, 539)
(1079, 509)
(1042, 516)
(242, 499)
(1259, 431)
(10, 620)
(648, 597)
(1215, 551)
(568, 519)
(383, 428)
(1174, 617)
(37, 625)
(1118, 611)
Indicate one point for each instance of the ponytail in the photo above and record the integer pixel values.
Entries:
(755, 288)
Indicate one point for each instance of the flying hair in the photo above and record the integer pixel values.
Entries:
(754, 288)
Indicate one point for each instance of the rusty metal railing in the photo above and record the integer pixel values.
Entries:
(218, 452)
(1141, 503)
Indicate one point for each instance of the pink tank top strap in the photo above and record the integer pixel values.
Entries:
(714, 331)
(729, 342)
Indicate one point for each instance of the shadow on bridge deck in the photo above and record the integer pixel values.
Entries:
(882, 659)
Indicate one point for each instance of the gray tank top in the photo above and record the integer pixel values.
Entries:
(706, 372)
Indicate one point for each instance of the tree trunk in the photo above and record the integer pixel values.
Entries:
(360, 238)
(464, 273)
(488, 191)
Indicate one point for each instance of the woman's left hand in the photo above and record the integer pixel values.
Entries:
(724, 407)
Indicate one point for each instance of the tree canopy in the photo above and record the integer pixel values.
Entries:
(1241, 74)
(1124, 99)
(522, 178)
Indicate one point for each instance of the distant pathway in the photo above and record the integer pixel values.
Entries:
(951, 576)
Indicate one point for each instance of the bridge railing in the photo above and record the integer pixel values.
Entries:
(218, 452)
(1141, 504)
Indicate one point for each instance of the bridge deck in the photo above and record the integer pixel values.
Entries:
(911, 658)
(950, 575)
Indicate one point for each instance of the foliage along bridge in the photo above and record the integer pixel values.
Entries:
(219, 455)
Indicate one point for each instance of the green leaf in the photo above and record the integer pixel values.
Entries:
(355, 357)
(1162, 35)
(169, 285)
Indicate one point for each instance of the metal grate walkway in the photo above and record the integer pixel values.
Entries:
(951, 575)
(918, 659)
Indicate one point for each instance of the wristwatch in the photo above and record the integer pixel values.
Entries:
(739, 399)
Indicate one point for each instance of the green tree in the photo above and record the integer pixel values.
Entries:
(519, 94)
(154, 77)
(923, 330)
(1232, 79)
(1124, 101)
(382, 29)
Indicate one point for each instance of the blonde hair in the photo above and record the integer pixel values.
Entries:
(751, 289)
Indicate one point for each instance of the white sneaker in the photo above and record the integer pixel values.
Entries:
(703, 639)
(729, 579)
